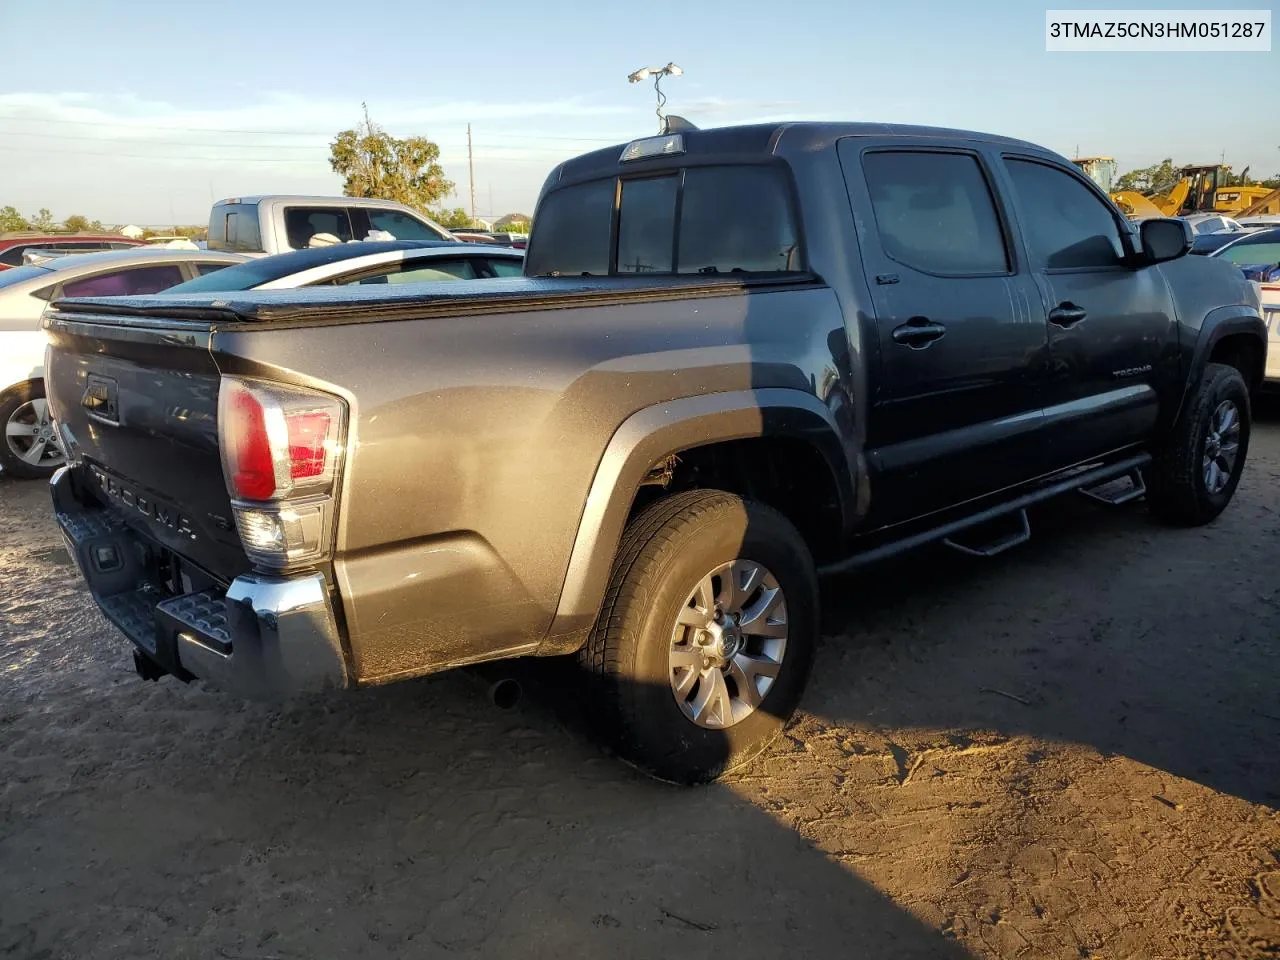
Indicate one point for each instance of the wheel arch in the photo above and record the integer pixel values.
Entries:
(1233, 334)
(658, 432)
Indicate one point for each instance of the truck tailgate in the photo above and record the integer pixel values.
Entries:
(138, 402)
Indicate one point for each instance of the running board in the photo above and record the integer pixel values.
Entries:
(1081, 480)
(1111, 494)
(999, 544)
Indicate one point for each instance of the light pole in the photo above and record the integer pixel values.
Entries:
(644, 73)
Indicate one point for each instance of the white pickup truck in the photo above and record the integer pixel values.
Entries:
(263, 225)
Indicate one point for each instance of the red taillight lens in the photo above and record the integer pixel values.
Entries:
(307, 434)
(278, 441)
(253, 473)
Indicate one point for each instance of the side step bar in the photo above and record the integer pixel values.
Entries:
(1111, 494)
(1083, 480)
(997, 545)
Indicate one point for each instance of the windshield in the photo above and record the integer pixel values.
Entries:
(9, 278)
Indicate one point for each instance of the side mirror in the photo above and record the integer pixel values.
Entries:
(1165, 238)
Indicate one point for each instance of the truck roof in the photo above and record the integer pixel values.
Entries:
(773, 138)
(308, 198)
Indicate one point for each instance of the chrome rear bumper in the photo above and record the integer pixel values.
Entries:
(262, 636)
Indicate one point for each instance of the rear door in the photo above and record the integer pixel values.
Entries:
(1113, 348)
(962, 338)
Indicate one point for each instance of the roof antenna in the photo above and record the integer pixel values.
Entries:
(644, 73)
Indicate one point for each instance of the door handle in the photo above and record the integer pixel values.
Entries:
(1066, 314)
(918, 332)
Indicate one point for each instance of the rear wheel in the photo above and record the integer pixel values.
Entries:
(30, 448)
(706, 638)
(1195, 477)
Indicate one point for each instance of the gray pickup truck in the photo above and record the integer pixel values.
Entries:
(740, 358)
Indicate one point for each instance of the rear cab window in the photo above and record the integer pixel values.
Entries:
(699, 220)
(234, 226)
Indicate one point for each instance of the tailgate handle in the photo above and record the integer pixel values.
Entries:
(100, 398)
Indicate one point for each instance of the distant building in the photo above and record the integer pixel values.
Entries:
(513, 223)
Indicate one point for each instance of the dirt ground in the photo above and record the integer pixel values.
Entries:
(1069, 751)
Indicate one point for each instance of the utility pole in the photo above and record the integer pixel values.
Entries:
(471, 173)
(492, 213)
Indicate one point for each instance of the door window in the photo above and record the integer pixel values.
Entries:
(418, 272)
(934, 212)
(506, 267)
(303, 223)
(400, 225)
(204, 269)
(138, 281)
(1067, 224)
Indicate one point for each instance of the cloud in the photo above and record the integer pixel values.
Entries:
(127, 114)
(121, 156)
(721, 108)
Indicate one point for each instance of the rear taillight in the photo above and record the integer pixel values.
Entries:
(282, 448)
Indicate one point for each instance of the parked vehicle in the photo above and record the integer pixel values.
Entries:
(1205, 244)
(1258, 256)
(30, 447)
(265, 225)
(1262, 222)
(739, 357)
(370, 262)
(1202, 223)
(14, 245)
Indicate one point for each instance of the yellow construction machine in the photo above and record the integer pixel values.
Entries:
(1199, 189)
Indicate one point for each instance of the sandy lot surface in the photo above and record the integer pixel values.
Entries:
(1070, 751)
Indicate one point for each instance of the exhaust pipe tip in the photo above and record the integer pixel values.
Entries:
(505, 694)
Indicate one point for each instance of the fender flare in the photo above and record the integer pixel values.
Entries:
(668, 428)
(1218, 323)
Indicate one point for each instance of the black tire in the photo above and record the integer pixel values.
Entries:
(1177, 492)
(665, 552)
(14, 465)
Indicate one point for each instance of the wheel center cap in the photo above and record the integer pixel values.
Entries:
(726, 638)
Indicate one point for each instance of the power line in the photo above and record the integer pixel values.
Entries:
(272, 133)
(451, 147)
(318, 158)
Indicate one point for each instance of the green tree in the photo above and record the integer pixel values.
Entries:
(76, 223)
(1158, 178)
(373, 163)
(452, 219)
(43, 221)
(12, 220)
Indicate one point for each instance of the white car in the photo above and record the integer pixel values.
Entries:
(1262, 221)
(1258, 254)
(29, 448)
(365, 262)
(1212, 223)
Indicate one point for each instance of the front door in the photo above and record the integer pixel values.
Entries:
(1113, 347)
(961, 334)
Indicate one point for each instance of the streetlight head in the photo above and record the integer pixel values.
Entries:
(644, 73)
(672, 70)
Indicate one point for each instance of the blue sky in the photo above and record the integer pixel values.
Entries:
(143, 110)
